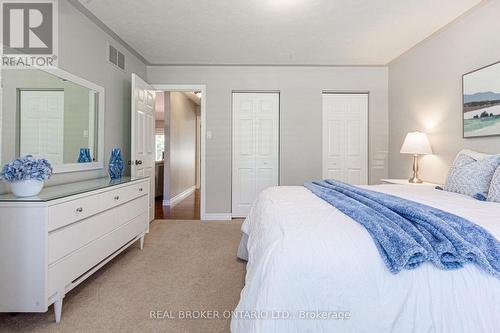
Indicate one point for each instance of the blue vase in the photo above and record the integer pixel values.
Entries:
(87, 153)
(84, 156)
(116, 164)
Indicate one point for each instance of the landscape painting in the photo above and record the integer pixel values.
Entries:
(481, 102)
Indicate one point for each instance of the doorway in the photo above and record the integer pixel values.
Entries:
(178, 155)
(143, 145)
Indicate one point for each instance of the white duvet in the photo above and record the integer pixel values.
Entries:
(313, 269)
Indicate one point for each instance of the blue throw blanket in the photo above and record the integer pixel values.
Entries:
(408, 234)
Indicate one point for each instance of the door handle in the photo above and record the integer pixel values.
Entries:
(138, 162)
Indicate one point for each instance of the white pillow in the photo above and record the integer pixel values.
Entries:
(474, 154)
(471, 173)
(494, 193)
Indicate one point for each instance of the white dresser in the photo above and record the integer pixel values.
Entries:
(51, 243)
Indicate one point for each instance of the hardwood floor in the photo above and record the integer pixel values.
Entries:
(187, 209)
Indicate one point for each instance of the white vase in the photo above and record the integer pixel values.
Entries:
(26, 188)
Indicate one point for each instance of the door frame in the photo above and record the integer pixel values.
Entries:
(237, 91)
(368, 141)
(203, 116)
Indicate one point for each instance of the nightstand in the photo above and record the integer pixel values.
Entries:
(406, 182)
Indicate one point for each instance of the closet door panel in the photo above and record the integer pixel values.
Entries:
(255, 147)
(345, 137)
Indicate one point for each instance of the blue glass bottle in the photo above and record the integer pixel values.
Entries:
(116, 164)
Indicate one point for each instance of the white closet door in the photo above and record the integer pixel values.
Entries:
(42, 125)
(345, 137)
(255, 147)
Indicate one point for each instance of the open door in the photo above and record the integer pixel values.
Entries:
(142, 136)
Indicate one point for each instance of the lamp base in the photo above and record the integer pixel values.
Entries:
(415, 180)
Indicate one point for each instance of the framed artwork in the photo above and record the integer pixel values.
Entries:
(481, 102)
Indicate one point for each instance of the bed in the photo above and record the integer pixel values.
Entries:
(313, 269)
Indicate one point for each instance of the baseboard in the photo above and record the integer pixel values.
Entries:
(217, 217)
(179, 197)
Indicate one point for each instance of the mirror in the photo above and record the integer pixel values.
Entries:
(52, 114)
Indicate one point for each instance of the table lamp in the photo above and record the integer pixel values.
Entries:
(416, 143)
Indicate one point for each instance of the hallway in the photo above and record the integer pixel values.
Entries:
(187, 209)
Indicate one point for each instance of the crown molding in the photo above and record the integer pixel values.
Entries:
(265, 65)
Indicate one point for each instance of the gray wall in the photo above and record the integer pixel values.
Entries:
(82, 51)
(165, 96)
(300, 117)
(182, 152)
(425, 91)
(198, 146)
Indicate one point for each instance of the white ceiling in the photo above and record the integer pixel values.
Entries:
(282, 32)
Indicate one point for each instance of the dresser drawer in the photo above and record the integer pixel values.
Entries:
(70, 238)
(121, 195)
(62, 273)
(72, 211)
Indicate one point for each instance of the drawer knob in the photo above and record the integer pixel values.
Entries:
(79, 210)
(117, 197)
(140, 189)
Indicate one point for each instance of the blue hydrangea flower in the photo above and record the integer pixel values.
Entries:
(25, 168)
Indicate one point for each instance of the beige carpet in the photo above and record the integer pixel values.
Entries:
(185, 266)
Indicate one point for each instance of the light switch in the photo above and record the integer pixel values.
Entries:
(209, 134)
(85, 133)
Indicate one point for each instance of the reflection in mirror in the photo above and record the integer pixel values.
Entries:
(50, 117)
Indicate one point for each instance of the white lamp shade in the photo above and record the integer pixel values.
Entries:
(416, 143)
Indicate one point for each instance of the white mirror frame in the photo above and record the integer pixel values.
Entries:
(74, 167)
